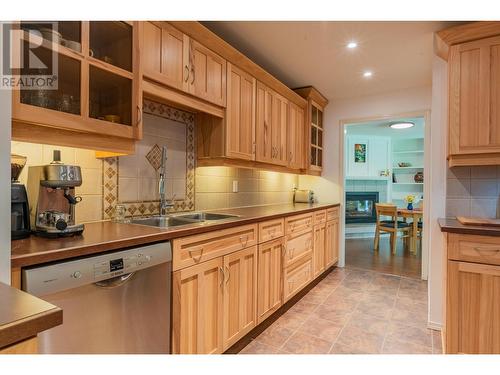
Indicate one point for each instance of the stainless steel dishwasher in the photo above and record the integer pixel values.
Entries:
(113, 303)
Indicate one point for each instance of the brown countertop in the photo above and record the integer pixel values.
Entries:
(449, 225)
(106, 236)
(23, 316)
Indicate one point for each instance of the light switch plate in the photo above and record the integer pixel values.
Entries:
(235, 186)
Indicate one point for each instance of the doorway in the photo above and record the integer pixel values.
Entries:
(384, 162)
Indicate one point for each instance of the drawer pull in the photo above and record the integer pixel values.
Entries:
(487, 248)
(198, 257)
(292, 226)
(244, 243)
(308, 242)
(272, 232)
(290, 253)
(283, 250)
(226, 268)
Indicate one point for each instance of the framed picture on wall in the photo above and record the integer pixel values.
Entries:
(360, 152)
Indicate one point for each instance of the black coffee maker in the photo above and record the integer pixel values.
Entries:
(19, 211)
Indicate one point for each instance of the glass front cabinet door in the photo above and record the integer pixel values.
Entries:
(95, 85)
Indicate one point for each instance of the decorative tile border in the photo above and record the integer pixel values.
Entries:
(143, 208)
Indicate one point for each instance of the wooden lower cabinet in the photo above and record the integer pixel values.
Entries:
(238, 281)
(473, 308)
(197, 308)
(29, 346)
(269, 282)
(331, 243)
(240, 295)
(319, 249)
(296, 277)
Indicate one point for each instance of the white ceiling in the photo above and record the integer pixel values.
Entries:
(382, 128)
(314, 53)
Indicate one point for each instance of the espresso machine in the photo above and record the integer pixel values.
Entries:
(19, 209)
(51, 191)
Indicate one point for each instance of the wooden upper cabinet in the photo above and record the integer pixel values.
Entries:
(271, 126)
(197, 296)
(296, 136)
(264, 102)
(279, 129)
(473, 308)
(240, 295)
(474, 102)
(314, 128)
(207, 74)
(269, 297)
(165, 54)
(98, 86)
(240, 114)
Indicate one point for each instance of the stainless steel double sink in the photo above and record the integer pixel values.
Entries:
(185, 219)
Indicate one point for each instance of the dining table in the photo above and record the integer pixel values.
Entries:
(416, 215)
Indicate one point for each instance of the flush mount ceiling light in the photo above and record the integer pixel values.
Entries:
(352, 45)
(402, 125)
(367, 74)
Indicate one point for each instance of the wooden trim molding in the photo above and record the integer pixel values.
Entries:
(166, 95)
(463, 33)
(473, 159)
(238, 163)
(209, 39)
(310, 92)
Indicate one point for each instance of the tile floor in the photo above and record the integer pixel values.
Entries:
(354, 311)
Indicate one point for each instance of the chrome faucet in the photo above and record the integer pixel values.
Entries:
(164, 205)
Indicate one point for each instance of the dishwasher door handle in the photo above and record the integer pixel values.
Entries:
(115, 282)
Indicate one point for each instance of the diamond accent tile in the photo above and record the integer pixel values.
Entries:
(154, 157)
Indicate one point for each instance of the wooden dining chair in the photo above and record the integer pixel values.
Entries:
(392, 226)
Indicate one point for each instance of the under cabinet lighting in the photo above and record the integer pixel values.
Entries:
(367, 74)
(352, 45)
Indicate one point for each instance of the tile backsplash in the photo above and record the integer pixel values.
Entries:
(214, 187)
(473, 191)
(91, 206)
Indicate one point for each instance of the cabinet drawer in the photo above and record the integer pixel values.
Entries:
(332, 213)
(271, 229)
(201, 247)
(472, 248)
(298, 223)
(296, 278)
(319, 217)
(297, 246)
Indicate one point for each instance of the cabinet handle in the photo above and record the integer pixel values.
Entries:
(487, 248)
(186, 71)
(228, 274)
(139, 114)
(272, 232)
(246, 240)
(223, 276)
(290, 156)
(283, 250)
(254, 146)
(290, 253)
(196, 258)
(308, 242)
(292, 226)
(193, 71)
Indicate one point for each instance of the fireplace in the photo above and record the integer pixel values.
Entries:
(360, 207)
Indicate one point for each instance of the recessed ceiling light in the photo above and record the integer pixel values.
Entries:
(402, 125)
(367, 74)
(352, 45)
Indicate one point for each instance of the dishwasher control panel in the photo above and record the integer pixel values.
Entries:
(64, 275)
(119, 266)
